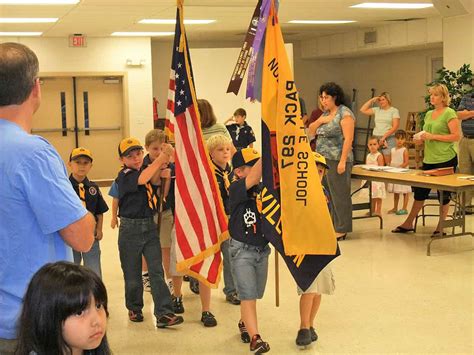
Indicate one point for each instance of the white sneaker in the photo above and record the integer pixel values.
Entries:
(146, 283)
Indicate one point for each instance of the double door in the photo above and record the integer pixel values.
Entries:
(83, 112)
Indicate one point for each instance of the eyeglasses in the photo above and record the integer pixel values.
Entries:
(326, 97)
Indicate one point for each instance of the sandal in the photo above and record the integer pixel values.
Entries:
(401, 229)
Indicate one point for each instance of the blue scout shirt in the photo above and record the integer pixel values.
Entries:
(242, 136)
(37, 200)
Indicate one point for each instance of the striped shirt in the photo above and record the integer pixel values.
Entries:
(467, 103)
(218, 128)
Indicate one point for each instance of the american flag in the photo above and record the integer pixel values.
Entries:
(200, 221)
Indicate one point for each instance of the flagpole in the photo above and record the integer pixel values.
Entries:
(277, 280)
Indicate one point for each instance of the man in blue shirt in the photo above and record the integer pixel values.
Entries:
(41, 216)
(466, 145)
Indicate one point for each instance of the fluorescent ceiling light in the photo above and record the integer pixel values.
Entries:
(18, 34)
(388, 5)
(152, 21)
(142, 34)
(39, 2)
(321, 22)
(27, 20)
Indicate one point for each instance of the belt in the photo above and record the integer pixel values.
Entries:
(468, 136)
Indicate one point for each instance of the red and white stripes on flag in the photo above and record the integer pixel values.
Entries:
(200, 220)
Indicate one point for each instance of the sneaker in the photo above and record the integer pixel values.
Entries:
(244, 334)
(304, 337)
(170, 286)
(208, 319)
(146, 282)
(401, 212)
(258, 346)
(314, 336)
(135, 316)
(194, 285)
(168, 320)
(233, 299)
(178, 304)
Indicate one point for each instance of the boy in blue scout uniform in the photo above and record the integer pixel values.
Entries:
(220, 150)
(241, 133)
(248, 248)
(138, 233)
(80, 163)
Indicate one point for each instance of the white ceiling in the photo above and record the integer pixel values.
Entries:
(99, 18)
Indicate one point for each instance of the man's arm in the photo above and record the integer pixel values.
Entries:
(80, 234)
(465, 114)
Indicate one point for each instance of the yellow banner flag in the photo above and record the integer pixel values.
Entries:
(305, 220)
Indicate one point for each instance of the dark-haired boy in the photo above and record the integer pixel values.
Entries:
(248, 248)
(80, 163)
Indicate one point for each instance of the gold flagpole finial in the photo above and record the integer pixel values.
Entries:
(180, 2)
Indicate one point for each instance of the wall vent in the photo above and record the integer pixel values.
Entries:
(370, 37)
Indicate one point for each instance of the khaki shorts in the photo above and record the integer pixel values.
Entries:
(167, 222)
(173, 258)
(323, 284)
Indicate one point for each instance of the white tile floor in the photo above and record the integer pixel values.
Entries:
(390, 298)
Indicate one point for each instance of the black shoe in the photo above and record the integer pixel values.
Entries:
(186, 278)
(244, 334)
(168, 320)
(342, 237)
(304, 337)
(178, 306)
(314, 336)
(135, 316)
(208, 319)
(258, 346)
(233, 299)
(194, 285)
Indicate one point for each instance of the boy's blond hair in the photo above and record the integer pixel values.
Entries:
(153, 136)
(217, 140)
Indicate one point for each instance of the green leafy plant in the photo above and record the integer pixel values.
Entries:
(458, 84)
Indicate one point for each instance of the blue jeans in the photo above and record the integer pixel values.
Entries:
(229, 287)
(249, 268)
(91, 258)
(139, 237)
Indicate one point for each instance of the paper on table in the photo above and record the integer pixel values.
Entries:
(417, 136)
(389, 169)
(469, 177)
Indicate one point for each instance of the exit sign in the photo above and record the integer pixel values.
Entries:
(77, 40)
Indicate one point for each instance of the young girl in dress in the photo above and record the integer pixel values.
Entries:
(378, 188)
(399, 159)
(64, 312)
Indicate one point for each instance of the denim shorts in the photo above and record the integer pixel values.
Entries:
(391, 143)
(249, 269)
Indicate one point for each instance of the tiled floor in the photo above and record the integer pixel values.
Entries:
(390, 298)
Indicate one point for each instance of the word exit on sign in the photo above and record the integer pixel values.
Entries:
(77, 40)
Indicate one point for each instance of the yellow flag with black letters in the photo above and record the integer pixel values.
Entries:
(289, 169)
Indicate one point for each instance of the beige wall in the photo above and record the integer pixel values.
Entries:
(458, 39)
(402, 74)
(104, 55)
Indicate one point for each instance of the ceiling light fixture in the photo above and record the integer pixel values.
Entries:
(142, 34)
(27, 20)
(39, 2)
(321, 22)
(20, 34)
(395, 5)
(152, 21)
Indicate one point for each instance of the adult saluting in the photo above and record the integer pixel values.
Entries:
(40, 213)
(387, 121)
